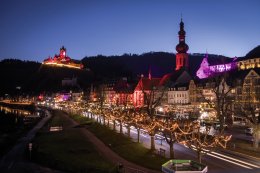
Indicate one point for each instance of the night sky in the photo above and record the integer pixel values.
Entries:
(36, 29)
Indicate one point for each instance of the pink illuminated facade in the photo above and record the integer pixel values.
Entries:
(145, 86)
(206, 70)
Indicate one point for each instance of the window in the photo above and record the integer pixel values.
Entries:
(247, 81)
(247, 89)
(239, 90)
(257, 81)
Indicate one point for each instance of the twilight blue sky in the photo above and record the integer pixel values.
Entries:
(35, 29)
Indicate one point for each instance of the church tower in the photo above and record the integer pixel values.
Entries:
(182, 60)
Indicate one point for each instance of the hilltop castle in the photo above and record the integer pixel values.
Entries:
(62, 60)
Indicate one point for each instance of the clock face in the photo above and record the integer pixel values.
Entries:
(63, 53)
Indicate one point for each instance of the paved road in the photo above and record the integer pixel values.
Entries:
(222, 161)
(238, 132)
(15, 162)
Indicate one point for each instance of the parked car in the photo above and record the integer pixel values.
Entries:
(249, 131)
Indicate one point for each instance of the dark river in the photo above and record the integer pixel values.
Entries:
(14, 123)
(12, 120)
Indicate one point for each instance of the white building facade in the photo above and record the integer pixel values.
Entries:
(178, 95)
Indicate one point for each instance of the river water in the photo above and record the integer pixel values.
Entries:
(14, 123)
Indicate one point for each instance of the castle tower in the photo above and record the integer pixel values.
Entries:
(62, 52)
(182, 48)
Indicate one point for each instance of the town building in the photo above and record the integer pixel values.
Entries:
(123, 93)
(177, 83)
(113, 93)
(247, 86)
(147, 88)
(248, 63)
(192, 92)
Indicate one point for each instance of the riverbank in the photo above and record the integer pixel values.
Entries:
(14, 161)
(18, 105)
(14, 123)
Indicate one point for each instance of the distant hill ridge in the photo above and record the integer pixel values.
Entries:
(33, 78)
(254, 53)
(132, 64)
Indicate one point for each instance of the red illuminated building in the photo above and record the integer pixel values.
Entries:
(123, 93)
(63, 60)
(145, 85)
(182, 59)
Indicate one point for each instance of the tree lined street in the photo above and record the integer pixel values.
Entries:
(223, 160)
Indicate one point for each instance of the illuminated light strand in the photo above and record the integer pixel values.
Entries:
(187, 133)
(140, 117)
(226, 138)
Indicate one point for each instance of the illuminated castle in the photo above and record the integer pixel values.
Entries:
(62, 60)
(208, 69)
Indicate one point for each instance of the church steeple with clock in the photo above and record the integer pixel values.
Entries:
(182, 60)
